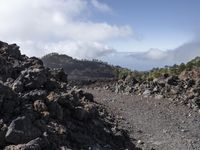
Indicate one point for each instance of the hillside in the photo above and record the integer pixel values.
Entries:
(190, 69)
(79, 69)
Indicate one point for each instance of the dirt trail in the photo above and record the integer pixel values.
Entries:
(156, 124)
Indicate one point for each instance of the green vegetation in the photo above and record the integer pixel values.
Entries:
(158, 72)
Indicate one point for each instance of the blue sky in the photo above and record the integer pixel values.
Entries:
(158, 24)
(138, 34)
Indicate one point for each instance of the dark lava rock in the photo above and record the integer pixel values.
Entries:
(35, 144)
(3, 130)
(33, 78)
(59, 74)
(172, 80)
(34, 95)
(40, 106)
(186, 91)
(8, 100)
(56, 110)
(5, 70)
(10, 50)
(88, 97)
(38, 110)
(21, 130)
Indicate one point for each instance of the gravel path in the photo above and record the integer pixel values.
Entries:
(156, 124)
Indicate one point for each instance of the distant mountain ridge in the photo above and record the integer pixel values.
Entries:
(95, 69)
(79, 69)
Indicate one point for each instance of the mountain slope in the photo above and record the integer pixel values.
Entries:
(79, 69)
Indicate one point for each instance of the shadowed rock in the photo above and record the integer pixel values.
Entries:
(38, 110)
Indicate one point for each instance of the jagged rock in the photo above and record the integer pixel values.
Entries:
(119, 87)
(185, 91)
(81, 114)
(6, 69)
(8, 100)
(59, 74)
(53, 96)
(88, 97)
(10, 50)
(161, 82)
(55, 110)
(172, 80)
(128, 89)
(36, 144)
(33, 78)
(17, 86)
(190, 83)
(131, 81)
(147, 92)
(51, 85)
(92, 110)
(3, 130)
(34, 95)
(40, 106)
(21, 130)
(196, 102)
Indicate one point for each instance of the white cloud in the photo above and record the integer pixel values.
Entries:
(101, 6)
(77, 49)
(156, 54)
(159, 58)
(80, 49)
(38, 23)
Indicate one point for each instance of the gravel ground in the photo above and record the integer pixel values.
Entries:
(156, 124)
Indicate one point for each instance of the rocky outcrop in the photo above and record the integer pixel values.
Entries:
(38, 110)
(181, 90)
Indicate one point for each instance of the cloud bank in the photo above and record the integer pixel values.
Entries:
(158, 58)
(64, 26)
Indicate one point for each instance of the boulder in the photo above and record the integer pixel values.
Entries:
(3, 130)
(8, 100)
(131, 81)
(55, 110)
(32, 78)
(9, 50)
(22, 130)
(88, 97)
(147, 92)
(36, 144)
(81, 114)
(5, 69)
(172, 80)
(161, 82)
(17, 86)
(58, 74)
(190, 83)
(34, 95)
(40, 106)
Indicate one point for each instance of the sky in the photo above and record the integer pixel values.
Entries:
(137, 34)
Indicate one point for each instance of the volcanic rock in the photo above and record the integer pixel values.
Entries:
(38, 109)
